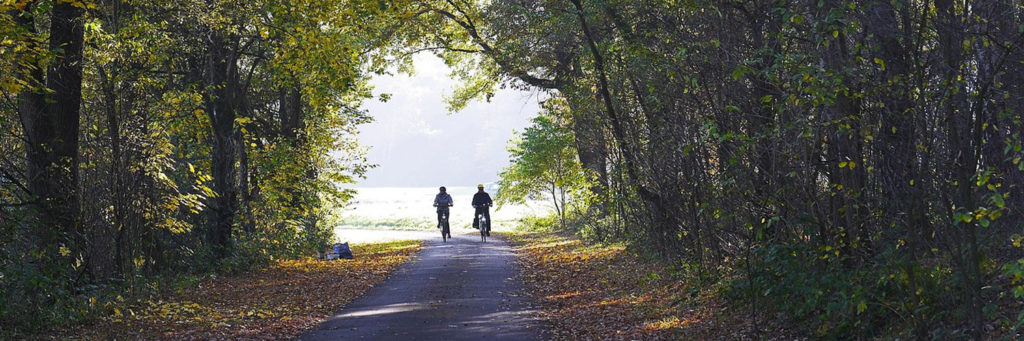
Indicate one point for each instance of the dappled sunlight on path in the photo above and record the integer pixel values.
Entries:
(463, 289)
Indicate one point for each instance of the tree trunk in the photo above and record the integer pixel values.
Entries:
(244, 171)
(659, 213)
(844, 147)
(965, 133)
(591, 150)
(50, 122)
(221, 107)
(116, 171)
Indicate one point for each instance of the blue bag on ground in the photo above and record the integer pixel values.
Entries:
(343, 251)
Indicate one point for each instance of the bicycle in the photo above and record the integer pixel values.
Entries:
(482, 223)
(442, 224)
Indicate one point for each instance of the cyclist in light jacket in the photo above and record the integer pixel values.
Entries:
(442, 201)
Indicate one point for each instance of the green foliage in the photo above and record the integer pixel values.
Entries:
(296, 74)
(538, 224)
(544, 163)
(835, 303)
(1016, 272)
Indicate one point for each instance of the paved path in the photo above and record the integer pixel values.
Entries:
(461, 290)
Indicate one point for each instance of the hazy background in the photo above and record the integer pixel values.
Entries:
(418, 147)
(415, 143)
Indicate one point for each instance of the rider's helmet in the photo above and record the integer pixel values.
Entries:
(442, 188)
(480, 186)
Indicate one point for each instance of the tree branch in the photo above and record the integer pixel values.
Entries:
(491, 52)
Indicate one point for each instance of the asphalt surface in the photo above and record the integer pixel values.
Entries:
(460, 290)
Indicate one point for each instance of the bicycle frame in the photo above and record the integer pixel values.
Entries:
(445, 226)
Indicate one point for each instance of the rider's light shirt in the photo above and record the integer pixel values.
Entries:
(442, 200)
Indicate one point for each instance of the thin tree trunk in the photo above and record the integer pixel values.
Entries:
(244, 172)
(657, 206)
(116, 171)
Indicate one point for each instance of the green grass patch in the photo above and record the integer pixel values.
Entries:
(357, 222)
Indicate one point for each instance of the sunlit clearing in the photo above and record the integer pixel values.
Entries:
(388, 309)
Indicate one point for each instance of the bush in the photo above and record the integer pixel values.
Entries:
(539, 224)
(819, 292)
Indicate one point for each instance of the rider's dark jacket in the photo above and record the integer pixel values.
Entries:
(481, 199)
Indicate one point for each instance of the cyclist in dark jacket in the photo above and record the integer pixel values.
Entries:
(482, 203)
(442, 201)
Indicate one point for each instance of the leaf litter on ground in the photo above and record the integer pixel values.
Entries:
(278, 302)
(600, 292)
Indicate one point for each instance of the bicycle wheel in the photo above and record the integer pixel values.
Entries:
(444, 231)
(447, 230)
(483, 230)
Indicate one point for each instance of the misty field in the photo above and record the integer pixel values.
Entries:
(410, 208)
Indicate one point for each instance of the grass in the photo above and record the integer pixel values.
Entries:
(281, 301)
(406, 223)
(356, 222)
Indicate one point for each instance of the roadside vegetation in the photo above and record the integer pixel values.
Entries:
(277, 302)
(619, 290)
(374, 223)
